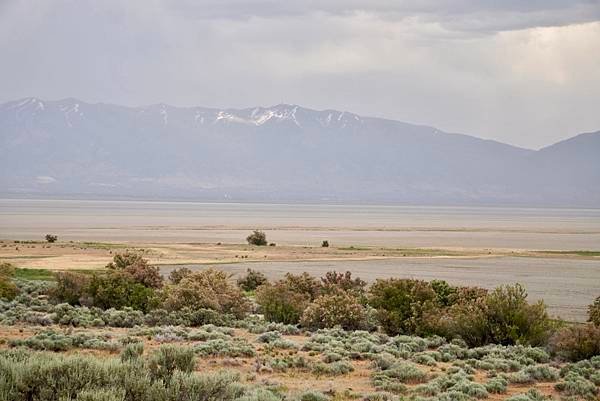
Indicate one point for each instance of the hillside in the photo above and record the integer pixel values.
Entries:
(279, 153)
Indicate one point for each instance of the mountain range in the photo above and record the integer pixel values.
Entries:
(283, 153)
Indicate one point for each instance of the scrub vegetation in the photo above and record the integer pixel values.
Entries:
(128, 333)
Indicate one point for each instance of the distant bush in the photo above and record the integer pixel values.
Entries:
(325, 244)
(337, 308)
(51, 238)
(594, 312)
(576, 342)
(70, 287)
(257, 238)
(179, 274)
(252, 280)
(207, 289)
(401, 303)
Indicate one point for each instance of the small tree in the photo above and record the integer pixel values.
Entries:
(51, 238)
(257, 238)
(252, 280)
(325, 244)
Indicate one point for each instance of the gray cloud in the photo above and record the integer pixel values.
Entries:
(524, 72)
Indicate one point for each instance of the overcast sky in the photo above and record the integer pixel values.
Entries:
(522, 72)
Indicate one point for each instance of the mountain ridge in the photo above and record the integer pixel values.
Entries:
(279, 153)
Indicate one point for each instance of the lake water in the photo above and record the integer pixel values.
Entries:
(567, 285)
(409, 226)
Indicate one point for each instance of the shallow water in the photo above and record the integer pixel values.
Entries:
(410, 226)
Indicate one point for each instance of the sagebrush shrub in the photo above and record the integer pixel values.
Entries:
(70, 287)
(207, 289)
(576, 342)
(337, 308)
(163, 362)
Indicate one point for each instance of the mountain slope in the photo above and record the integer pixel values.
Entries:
(279, 153)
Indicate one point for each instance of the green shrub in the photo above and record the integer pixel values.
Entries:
(207, 289)
(279, 303)
(401, 303)
(496, 385)
(26, 376)
(576, 342)
(132, 352)
(444, 293)
(252, 280)
(163, 362)
(50, 340)
(70, 287)
(594, 312)
(512, 320)
(576, 385)
(7, 270)
(51, 238)
(257, 238)
(110, 394)
(337, 308)
(332, 369)
(531, 395)
(8, 289)
(313, 395)
(118, 290)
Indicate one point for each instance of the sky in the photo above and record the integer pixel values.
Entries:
(521, 72)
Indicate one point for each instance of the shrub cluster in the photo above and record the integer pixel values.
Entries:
(163, 376)
(335, 300)
(8, 290)
(207, 289)
(501, 317)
